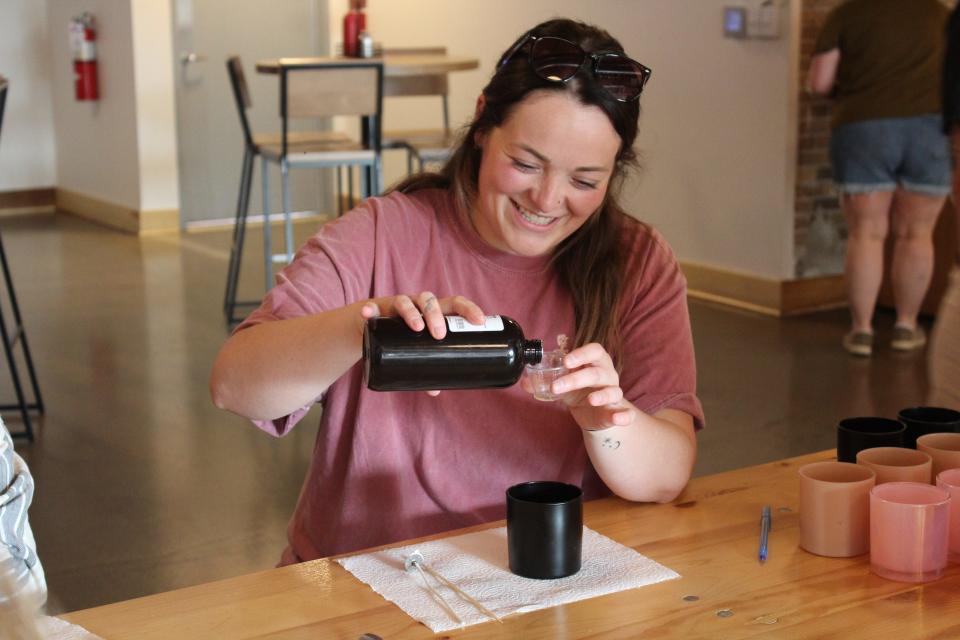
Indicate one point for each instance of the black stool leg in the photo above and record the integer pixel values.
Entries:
(239, 231)
(233, 240)
(21, 332)
(350, 200)
(8, 343)
(15, 375)
(339, 191)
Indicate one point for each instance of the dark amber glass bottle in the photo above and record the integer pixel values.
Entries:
(397, 358)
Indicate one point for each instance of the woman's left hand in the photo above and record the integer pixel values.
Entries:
(651, 456)
(592, 389)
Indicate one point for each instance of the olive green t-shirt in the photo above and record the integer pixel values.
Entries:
(891, 56)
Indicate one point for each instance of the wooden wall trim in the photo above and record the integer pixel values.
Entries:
(733, 288)
(813, 294)
(159, 221)
(763, 295)
(117, 216)
(27, 201)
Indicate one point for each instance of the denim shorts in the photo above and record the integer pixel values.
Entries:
(880, 155)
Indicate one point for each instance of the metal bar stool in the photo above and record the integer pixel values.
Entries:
(252, 147)
(320, 90)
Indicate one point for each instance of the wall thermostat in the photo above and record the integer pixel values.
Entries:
(752, 19)
(735, 22)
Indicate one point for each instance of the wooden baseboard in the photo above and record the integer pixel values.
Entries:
(117, 216)
(764, 295)
(813, 294)
(27, 201)
(256, 220)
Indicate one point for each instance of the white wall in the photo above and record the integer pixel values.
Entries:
(122, 148)
(718, 129)
(155, 105)
(96, 141)
(27, 151)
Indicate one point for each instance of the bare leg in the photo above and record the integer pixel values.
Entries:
(914, 217)
(868, 220)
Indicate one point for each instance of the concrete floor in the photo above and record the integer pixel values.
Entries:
(143, 486)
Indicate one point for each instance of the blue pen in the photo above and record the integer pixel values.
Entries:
(764, 534)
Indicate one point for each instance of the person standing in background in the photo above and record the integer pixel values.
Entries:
(881, 61)
(945, 341)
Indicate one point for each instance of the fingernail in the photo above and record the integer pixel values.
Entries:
(559, 386)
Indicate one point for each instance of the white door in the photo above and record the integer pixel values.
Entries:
(210, 142)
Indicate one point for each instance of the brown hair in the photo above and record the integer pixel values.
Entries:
(591, 261)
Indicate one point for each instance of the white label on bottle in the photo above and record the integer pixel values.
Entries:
(459, 323)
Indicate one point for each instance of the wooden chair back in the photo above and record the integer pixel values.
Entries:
(420, 85)
(333, 90)
(241, 96)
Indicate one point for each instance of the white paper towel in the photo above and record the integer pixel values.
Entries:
(477, 564)
(57, 629)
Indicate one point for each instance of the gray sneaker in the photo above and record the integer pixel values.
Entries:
(859, 343)
(905, 339)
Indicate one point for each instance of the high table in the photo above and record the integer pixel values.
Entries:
(708, 535)
(401, 64)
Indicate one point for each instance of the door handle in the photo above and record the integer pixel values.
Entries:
(187, 58)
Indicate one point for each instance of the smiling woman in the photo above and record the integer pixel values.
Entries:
(523, 220)
(589, 67)
(537, 188)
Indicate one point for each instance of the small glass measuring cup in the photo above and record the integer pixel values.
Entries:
(542, 375)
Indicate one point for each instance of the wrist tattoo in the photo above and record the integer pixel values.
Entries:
(610, 443)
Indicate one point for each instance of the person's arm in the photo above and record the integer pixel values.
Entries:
(648, 460)
(22, 581)
(272, 369)
(822, 75)
(640, 457)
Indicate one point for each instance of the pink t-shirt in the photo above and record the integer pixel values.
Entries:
(388, 466)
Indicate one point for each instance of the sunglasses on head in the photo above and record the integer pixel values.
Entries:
(557, 60)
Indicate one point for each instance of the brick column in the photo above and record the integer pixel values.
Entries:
(814, 190)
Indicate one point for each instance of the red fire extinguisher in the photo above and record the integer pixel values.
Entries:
(83, 46)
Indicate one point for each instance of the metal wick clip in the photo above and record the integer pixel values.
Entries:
(415, 561)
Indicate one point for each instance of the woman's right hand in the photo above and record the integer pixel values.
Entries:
(423, 310)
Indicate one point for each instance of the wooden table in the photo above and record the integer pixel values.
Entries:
(393, 64)
(708, 535)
